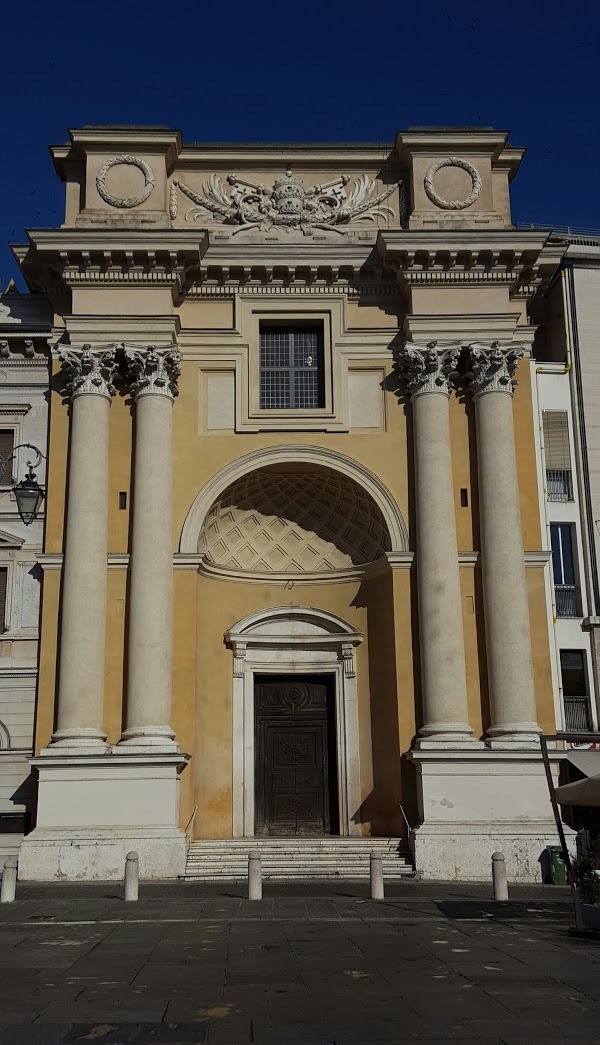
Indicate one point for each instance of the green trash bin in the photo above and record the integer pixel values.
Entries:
(558, 870)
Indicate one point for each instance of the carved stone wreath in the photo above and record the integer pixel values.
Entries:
(125, 201)
(452, 161)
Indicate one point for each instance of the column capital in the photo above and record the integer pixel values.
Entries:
(493, 366)
(89, 372)
(153, 371)
(428, 368)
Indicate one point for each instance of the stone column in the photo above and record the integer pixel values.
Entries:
(508, 641)
(153, 375)
(443, 677)
(83, 608)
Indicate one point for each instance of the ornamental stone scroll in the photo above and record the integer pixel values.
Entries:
(427, 369)
(493, 367)
(153, 371)
(89, 372)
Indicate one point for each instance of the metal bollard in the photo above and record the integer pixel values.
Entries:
(9, 880)
(377, 889)
(132, 875)
(499, 880)
(254, 877)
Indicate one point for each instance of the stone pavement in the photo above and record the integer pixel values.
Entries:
(308, 964)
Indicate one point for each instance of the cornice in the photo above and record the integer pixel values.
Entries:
(99, 330)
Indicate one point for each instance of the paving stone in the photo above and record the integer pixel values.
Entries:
(37, 1034)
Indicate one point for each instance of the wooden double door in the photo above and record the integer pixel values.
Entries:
(295, 768)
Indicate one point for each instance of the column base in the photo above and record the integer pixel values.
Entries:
(477, 802)
(69, 741)
(93, 809)
(513, 736)
(446, 737)
(150, 739)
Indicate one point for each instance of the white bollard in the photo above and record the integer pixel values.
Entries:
(499, 880)
(254, 877)
(377, 890)
(9, 880)
(132, 875)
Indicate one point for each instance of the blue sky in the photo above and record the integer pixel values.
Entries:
(273, 71)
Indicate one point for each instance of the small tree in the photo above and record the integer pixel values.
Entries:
(585, 872)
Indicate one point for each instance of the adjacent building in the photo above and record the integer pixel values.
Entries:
(25, 324)
(297, 580)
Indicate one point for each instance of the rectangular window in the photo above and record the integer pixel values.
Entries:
(3, 585)
(7, 442)
(566, 591)
(559, 486)
(574, 687)
(291, 367)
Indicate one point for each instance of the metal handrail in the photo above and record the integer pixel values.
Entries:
(190, 824)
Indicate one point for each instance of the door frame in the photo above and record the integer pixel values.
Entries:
(292, 640)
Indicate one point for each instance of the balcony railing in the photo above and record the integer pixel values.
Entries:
(568, 600)
(577, 714)
(559, 485)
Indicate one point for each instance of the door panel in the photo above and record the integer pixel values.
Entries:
(293, 723)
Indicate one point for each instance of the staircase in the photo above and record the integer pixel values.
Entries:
(345, 859)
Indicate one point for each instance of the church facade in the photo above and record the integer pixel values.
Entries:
(295, 572)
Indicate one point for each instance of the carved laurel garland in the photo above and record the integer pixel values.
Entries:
(452, 161)
(125, 201)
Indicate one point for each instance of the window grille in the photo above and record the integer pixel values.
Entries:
(555, 424)
(7, 442)
(291, 367)
(3, 586)
(574, 686)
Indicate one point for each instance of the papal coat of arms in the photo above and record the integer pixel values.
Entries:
(288, 205)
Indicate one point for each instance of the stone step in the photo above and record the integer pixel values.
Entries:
(293, 858)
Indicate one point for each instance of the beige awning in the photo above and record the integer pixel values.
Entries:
(587, 762)
(580, 793)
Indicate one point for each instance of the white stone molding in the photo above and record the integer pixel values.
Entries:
(304, 641)
(153, 371)
(89, 372)
(125, 201)
(426, 369)
(288, 206)
(4, 737)
(452, 161)
(317, 456)
(493, 367)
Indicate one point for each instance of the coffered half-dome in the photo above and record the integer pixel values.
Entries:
(293, 520)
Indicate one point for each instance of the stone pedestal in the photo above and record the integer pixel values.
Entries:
(93, 809)
(475, 803)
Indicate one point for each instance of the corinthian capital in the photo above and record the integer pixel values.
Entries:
(427, 368)
(89, 372)
(153, 371)
(493, 367)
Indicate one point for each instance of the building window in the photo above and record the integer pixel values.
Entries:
(292, 373)
(3, 588)
(7, 442)
(574, 687)
(559, 485)
(566, 591)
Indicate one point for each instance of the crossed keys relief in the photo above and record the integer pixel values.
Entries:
(288, 205)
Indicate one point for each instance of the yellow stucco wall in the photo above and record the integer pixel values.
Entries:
(382, 608)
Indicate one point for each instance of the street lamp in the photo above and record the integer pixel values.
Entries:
(28, 492)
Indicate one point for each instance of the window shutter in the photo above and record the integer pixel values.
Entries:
(7, 442)
(556, 440)
(3, 579)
